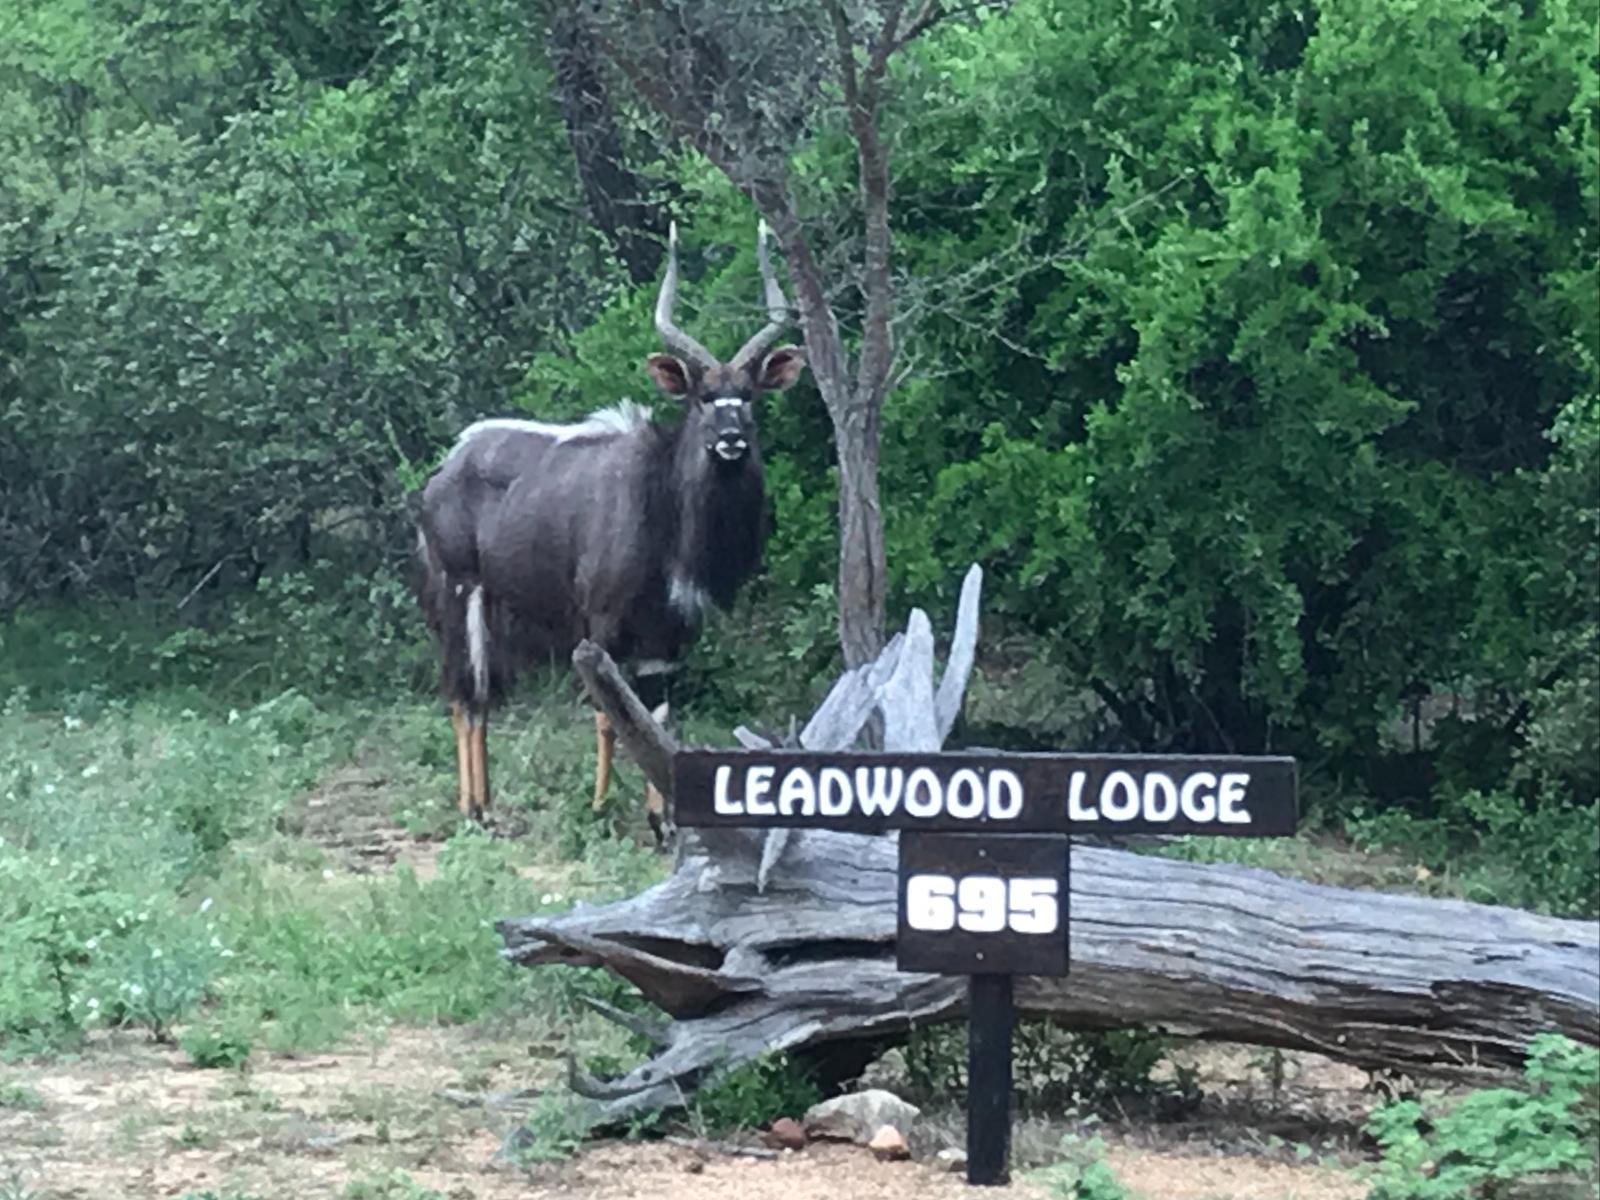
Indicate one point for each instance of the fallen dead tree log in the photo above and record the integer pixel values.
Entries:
(784, 941)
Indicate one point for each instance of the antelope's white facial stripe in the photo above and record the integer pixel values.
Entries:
(728, 402)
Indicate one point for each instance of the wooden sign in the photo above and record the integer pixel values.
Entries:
(996, 793)
(985, 857)
(983, 904)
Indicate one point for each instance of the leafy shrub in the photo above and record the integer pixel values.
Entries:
(1052, 1068)
(1504, 850)
(1082, 1173)
(220, 1044)
(1495, 1135)
(754, 1094)
(19, 1095)
(553, 1130)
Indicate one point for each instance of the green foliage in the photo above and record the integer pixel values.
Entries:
(218, 1044)
(755, 1094)
(1495, 1135)
(1052, 1068)
(554, 1130)
(1502, 850)
(395, 1185)
(1082, 1174)
(19, 1096)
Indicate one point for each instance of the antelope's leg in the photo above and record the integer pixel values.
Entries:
(464, 790)
(606, 746)
(479, 724)
(655, 807)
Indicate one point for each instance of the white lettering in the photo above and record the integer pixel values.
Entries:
(1232, 792)
(1113, 809)
(834, 795)
(720, 803)
(964, 798)
(757, 783)
(1075, 809)
(923, 796)
(873, 798)
(798, 789)
(1005, 795)
(1201, 807)
(1160, 797)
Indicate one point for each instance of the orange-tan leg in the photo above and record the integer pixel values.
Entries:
(606, 746)
(464, 788)
(479, 727)
(655, 804)
(655, 807)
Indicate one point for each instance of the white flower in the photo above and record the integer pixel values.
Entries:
(205, 904)
(227, 954)
(327, 872)
(49, 789)
(91, 770)
(135, 990)
(156, 953)
(72, 722)
(91, 944)
(94, 1002)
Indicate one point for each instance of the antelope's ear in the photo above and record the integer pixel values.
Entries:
(781, 368)
(671, 376)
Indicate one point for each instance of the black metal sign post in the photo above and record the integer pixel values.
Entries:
(985, 856)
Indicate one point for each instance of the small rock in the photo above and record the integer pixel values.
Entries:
(889, 1145)
(858, 1116)
(694, 1166)
(787, 1134)
(951, 1159)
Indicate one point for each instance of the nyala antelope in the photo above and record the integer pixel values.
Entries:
(619, 529)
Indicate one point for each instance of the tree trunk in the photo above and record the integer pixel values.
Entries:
(861, 551)
(786, 940)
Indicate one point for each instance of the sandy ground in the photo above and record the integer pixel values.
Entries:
(402, 1114)
(134, 1120)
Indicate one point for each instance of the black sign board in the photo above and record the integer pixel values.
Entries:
(983, 904)
(985, 855)
(991, 793)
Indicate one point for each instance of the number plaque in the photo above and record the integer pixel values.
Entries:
(983, 904)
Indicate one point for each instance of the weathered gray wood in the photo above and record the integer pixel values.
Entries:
(747, 958)
(1207, 951)
(907, 696)
(963, 652)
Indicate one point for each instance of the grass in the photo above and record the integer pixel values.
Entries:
(165, 863)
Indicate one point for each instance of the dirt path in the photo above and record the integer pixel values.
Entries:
(135, 1121)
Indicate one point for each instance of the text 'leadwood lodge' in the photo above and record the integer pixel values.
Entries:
(1032, 793)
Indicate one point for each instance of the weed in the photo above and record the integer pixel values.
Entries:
(396, 1185)
(19, 1095)
(1082, 1174)
(12, 1188)
(1495, 1135)
(553, 1130)
(224, 1044)
(754, 1094)
(1053, 1068)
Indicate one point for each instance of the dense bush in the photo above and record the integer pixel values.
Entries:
(1252, 349)
(1496, 1136)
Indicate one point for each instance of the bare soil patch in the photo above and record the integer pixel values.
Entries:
(138, 1121)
